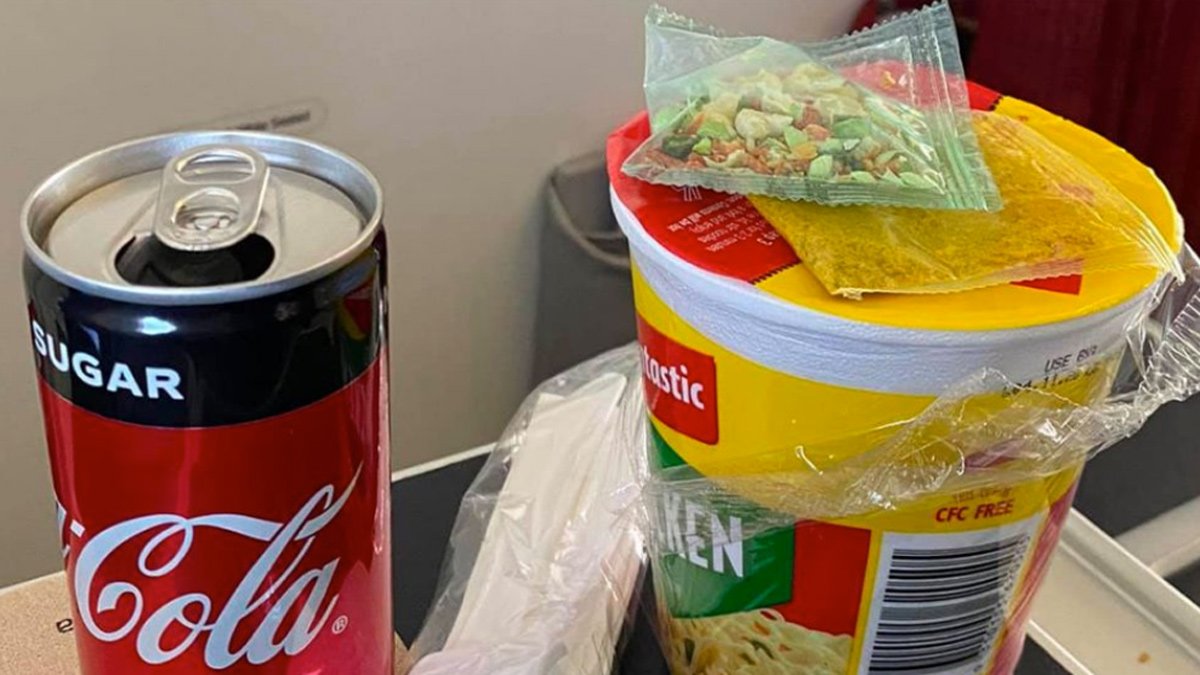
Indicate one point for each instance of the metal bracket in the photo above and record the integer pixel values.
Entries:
(1102, 611)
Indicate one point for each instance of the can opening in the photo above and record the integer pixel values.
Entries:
(210, 201)
(146, 261)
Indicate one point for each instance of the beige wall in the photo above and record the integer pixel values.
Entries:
(461, 108)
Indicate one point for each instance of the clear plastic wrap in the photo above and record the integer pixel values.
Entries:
(545, 557)
(547, 551)
(1059, 218)
(922, 545)
(876, 117)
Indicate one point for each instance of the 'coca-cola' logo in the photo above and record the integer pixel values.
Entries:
(197, 614)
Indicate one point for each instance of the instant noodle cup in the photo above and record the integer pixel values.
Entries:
(752, 369)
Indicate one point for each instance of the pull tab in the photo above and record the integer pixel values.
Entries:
(210, 197)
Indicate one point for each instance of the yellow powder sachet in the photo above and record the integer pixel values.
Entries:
(1059, 218)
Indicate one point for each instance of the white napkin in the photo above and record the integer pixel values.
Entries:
(559, 561)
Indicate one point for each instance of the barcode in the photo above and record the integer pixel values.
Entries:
(940, 600)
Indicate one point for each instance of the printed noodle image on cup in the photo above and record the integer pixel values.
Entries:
(751, 368)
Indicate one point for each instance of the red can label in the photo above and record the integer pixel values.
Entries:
(254, 547)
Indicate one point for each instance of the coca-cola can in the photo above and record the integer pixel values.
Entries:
(207, 312)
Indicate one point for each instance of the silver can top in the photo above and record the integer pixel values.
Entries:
(301, 209)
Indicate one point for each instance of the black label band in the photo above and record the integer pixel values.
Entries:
(199, 366)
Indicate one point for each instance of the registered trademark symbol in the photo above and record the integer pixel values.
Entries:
(339, 624)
